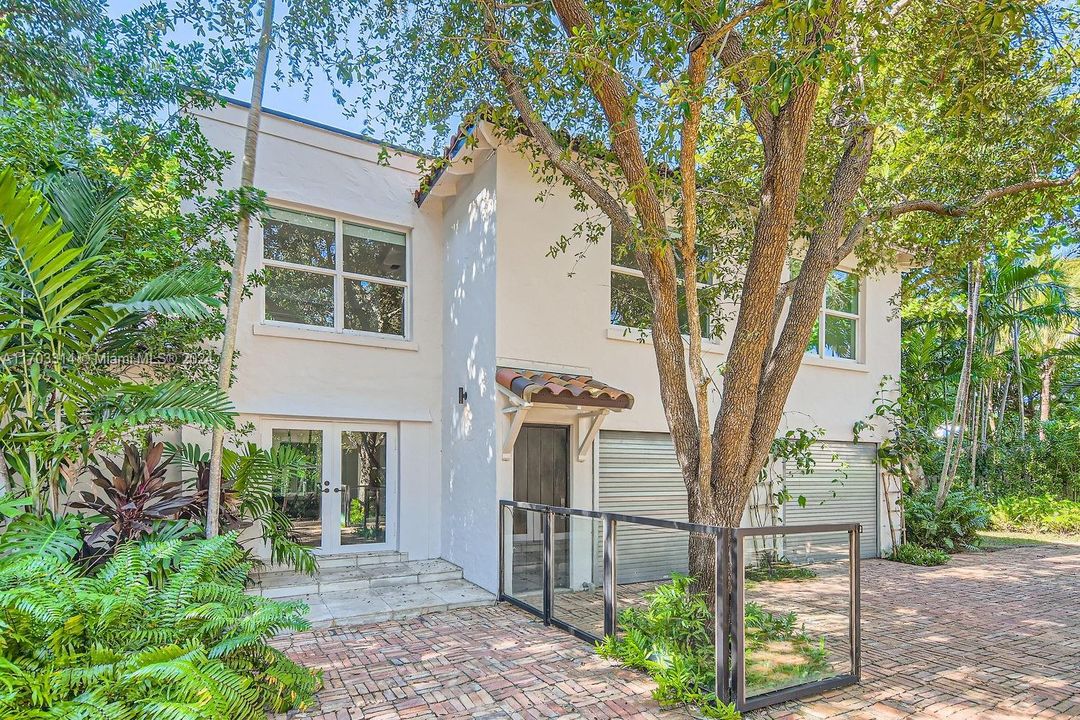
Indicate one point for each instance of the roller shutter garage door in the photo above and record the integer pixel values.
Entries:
(843, 487)
(639, 475)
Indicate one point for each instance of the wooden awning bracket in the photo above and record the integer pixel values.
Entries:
(590, 435)
(517, 410)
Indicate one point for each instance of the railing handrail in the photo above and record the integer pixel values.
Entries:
(686, 526)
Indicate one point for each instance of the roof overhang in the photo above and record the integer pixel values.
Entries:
(459, 160)
(582, 394)
(551, 388)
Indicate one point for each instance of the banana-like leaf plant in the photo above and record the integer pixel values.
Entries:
(249, 477)
(59, 323)
(133, 495)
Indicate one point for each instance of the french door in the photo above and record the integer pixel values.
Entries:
(346, 498)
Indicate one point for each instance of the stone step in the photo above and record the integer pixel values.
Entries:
(337, 561)
(397, 602)
(348, 579)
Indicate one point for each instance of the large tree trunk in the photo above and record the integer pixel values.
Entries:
(1044, 399)
(236, 283)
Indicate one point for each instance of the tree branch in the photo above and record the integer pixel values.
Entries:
(542, 135)
(946, 210)
(732, 55)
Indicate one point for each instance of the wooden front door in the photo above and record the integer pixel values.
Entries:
(541, 475)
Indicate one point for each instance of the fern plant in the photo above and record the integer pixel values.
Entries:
(162, 630)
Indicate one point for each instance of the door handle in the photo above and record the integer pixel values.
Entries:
(337, 489)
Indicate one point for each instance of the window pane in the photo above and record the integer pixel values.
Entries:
(842, 292)
(299, 496)
(839, 337)
(813, 347)
(631, 304)
(370, 251)
(298, 238)
(363, 487)
(299, 297)
(372, 307)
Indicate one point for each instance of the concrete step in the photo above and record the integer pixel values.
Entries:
(338, 561)
(393, 602)
(350, 579)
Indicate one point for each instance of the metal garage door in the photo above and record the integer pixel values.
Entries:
(843, 487)
(639, 475)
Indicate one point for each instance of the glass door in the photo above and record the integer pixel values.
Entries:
(367, 485)
(300, 496)
(346, 499)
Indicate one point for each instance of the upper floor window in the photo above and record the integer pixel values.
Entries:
(839, 318)
(631, 303)
(330, 273)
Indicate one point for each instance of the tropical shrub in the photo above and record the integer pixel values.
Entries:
(59, 319)
(671, 639)
(913, 554)
(135, 495)
(162, 630)
(952, 528)
(1043, 513)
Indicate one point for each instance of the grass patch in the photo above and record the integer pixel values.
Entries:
(993, 540)
(912, 554)
(773, 570)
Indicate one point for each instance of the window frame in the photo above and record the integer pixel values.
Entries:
(825, 312)
(339, 274)
(706, 332)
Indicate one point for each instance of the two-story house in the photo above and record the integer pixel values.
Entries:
(431, 358)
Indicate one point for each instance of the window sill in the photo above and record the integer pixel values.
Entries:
(301, 333)
(644, 337)
(835, 363)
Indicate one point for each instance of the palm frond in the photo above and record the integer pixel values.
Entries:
(187, 291)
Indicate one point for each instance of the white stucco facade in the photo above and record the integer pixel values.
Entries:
(482, 293)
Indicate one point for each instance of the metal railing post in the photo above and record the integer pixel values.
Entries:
(549, 561)
(610, 597)
(856, 603)
(502, 550)
(722, 624)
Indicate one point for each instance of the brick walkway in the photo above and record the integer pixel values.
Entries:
(989, 636)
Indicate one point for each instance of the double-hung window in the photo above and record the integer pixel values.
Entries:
(329, 273)
(836, 333)
(631, 303)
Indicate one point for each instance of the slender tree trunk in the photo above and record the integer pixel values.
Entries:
(1018, 369)
(1044, 400)
(976, 419)
(954, 444)
(914, 470)
(236, 284)
(1004, 399)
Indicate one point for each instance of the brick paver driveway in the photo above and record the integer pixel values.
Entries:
(994, 636)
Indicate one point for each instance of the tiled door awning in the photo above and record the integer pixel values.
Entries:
(535, 386)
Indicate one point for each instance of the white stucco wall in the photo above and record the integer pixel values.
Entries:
(470, 450)
(322, 376)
